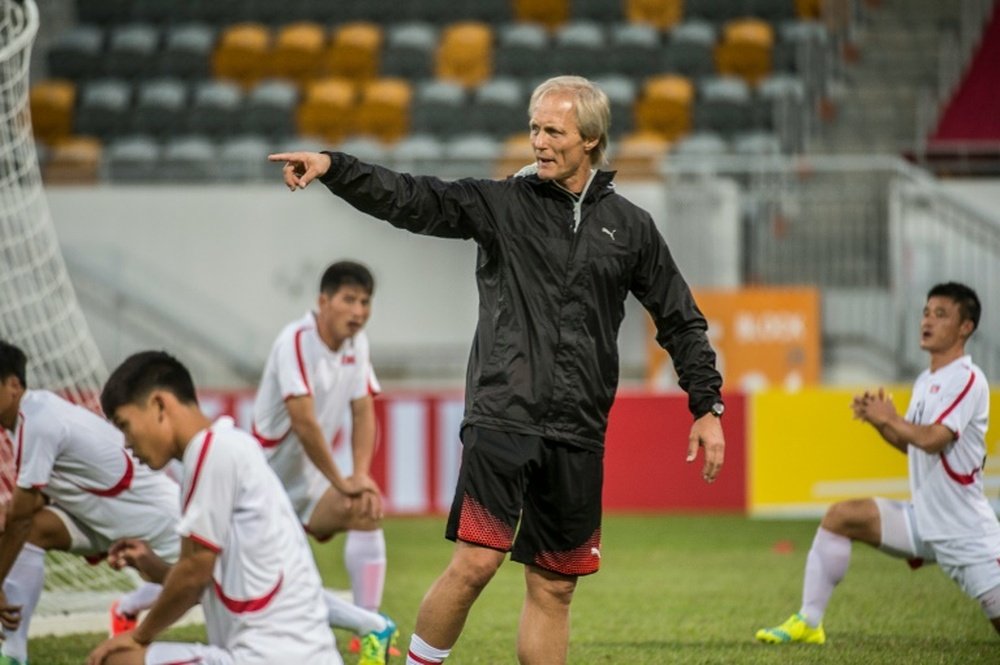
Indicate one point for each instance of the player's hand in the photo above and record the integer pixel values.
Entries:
(137, 554)
(301, 168)
(706, 432)
(117, 644)
(10, 615)
(370, 499)
(879, 408)
(858, 404)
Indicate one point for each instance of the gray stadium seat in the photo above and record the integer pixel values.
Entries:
(439, 108)
(160, 107)
(499, 107)
(771, 10)
(77, 54)
(470, 156)
(580, 48)
(244, 159)
(701, 144)
(717, 11)
(522, 50)
(189, 159)
(133, 159)
(132, 51)
(495, 12)
(723, 106)
(602, 11)
(756, 143)
(690, 49)
(159, 12)
(634, 50)
(366, 149)
(104, 109)
(621, 92)
(409, 51)
(187, 51)
(270, 109)
(218, 12)
(417, 153)
(216, 109)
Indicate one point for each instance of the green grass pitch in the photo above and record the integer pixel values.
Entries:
(677, 589)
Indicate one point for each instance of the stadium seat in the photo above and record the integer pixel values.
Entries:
(621, 92)
(550, 13)
(470, 156)
(515, 153)
(662, 14)
(187, 51)
(244, 159)
(499, 107)
(690, 49)
(216, 109)
(327, 112)
(417, 153)
(384, 109)
(637, 155)
(409, 51)
(701, 144)
(780, 105)
(77, 54)
(771, 10)
(522, 51)
(241, 54)
(580, 48)
(601, 11)
(795, 41)
(104, 109)
(635, 49)
(74, 160)
(365, 148)
(716, 11)
(189, 159)
(440, 108)
(132, 51)
(494, 12)
(160, 108)
(465, 53)
(52, 103)
(665, 106)
(745, 49)
(133, 159)
(809, 9)
(269, 110)
(353, 52)
(756, 143)
(724, 106)
(273, 13)
(297, 51)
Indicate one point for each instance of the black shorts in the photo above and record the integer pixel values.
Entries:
(536, 498)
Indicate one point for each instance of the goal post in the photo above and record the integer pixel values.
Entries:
(39, 312)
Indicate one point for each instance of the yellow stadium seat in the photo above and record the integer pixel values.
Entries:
(663, 14)
(745, 49)
(354, 51)
(242, 53)
(550, 13)
(384, 109)
(515, 154)
(811, 9)
(664, 107)
(297, 52)
(51, 104)
(637, 155)
(76, 160)
(465, 53)
(327, 111)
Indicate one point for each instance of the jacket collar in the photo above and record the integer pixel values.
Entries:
(600, 185)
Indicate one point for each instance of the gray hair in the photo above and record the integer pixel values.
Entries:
(593, 110)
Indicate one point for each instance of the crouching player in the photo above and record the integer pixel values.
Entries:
(243, 554)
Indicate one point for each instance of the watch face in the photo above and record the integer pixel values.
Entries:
(718, 409)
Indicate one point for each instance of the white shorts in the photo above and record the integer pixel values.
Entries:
(901, 538)
(169, 653)
(86, 541)
(304, 484)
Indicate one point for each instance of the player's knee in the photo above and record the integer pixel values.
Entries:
(849, 518)
(475, 567)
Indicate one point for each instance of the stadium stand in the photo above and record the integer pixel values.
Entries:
(187, 51)
(745, 49)
(160, 108)
(216, 109)
(104, 110)
(383, 111)
(297, 51)
(269, 111)
(76, 54)
(440, 108)
(662, 14)
(75, 160)
(133, 159)
(550, 13)
(132, 51)
(465, 53)
(580, 48)
(327, 111)
(51, 104)
(241, 54)
(353, 52)
(665, 106)
(409, 51)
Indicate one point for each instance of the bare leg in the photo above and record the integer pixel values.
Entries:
(857, 519)
(543, 636)
(446, 606)
(336, 513)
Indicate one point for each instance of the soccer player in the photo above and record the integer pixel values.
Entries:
(76, 489)
(243, 554)
(319, 371)
(948, 519)
(559, 250)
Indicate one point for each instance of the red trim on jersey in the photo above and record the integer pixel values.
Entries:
(423, 661)
(961, 396)
(372, 391)
(197, 469)
(204, 542)
(122, 485)
(263, 440)
(193, 661)
(302, 362)
(20, 443)
(251, 604)
(960, 478)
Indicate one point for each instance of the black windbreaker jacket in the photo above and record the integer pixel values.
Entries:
(544, 360)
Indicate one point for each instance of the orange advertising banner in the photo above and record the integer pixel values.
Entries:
(764, 337)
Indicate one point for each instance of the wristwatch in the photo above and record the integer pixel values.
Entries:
(717, 409)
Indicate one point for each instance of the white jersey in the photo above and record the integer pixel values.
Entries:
(265, 605)
(79, 461)
(952, 513)
(300, 363)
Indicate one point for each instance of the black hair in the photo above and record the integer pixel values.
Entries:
(346, 273)
(141, 374)
(966, 299)
(13, 362)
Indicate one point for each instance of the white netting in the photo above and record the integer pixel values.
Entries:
(38, 307)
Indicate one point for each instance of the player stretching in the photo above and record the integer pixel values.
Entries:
(318, 371)
(242, 553)
(76, 489)
(948, 519)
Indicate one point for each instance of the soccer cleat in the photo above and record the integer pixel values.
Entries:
(120, 623)
(8, 660)
(376, 647)
(795, 629)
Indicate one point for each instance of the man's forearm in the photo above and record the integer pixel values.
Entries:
(312, 439)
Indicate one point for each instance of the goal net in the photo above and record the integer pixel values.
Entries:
(39, 312)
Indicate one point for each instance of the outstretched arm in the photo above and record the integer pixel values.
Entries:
(878, 410)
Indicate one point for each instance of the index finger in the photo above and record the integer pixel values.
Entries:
(285, 157)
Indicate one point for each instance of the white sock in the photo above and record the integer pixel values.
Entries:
(826, 565)
(133, 602)
(343, 614)
(364, 558)
(422, 653)
(23, 587)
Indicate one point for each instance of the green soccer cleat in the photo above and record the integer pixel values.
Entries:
(7, 660)
(795, 629)
(376, 647)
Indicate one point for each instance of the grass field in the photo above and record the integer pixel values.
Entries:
(678, 590)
